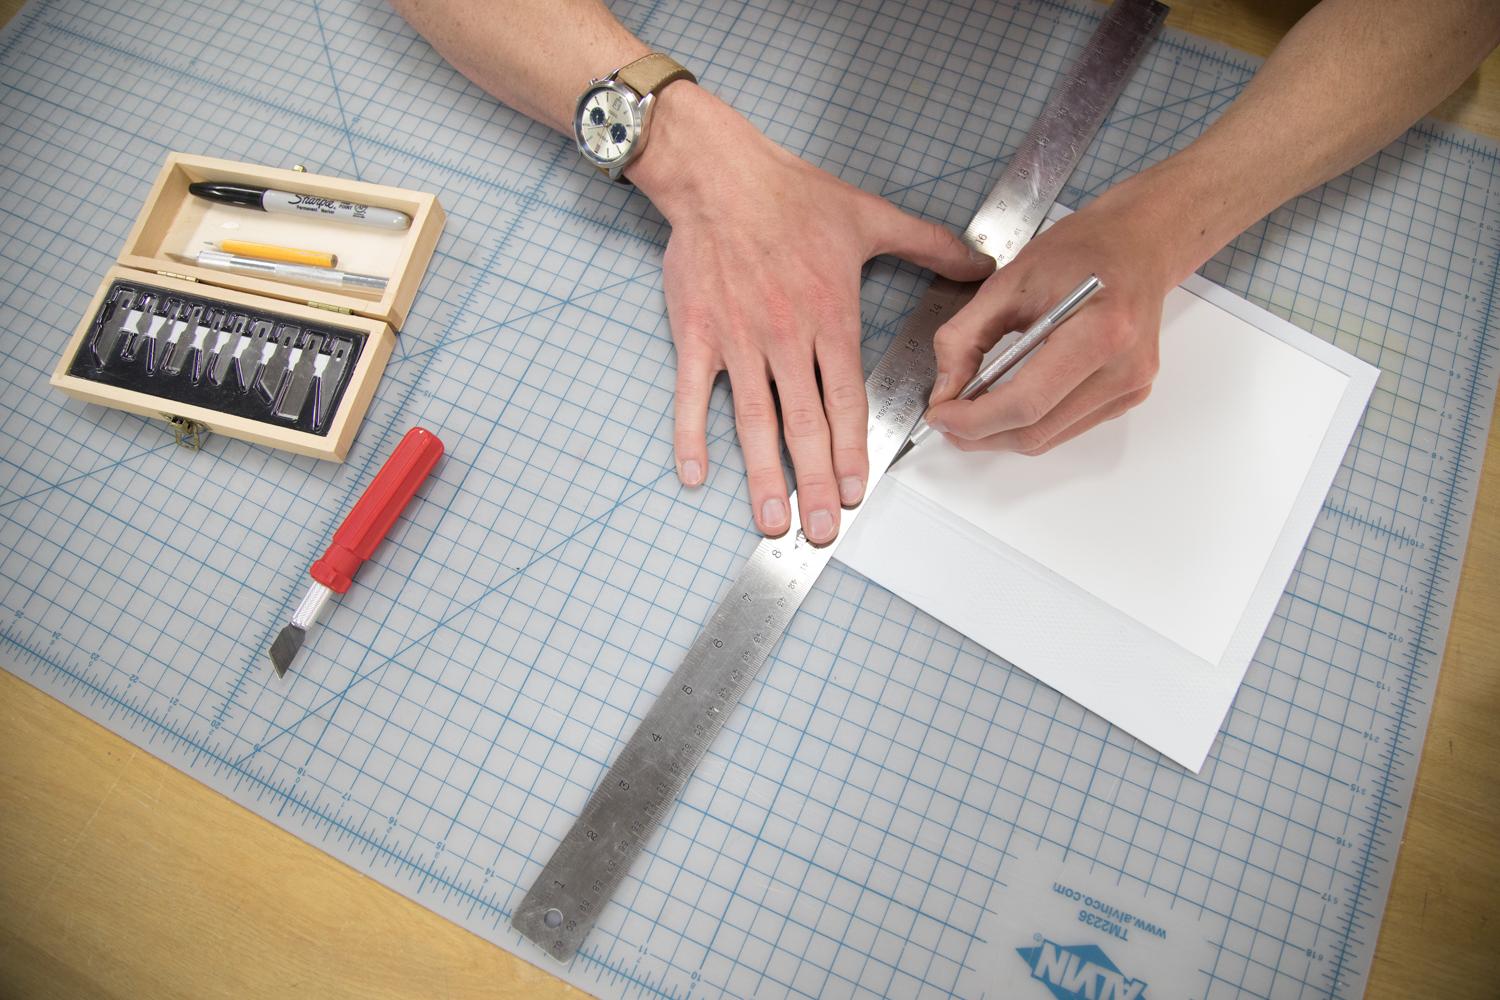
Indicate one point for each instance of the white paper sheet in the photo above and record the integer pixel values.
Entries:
(1135, 568)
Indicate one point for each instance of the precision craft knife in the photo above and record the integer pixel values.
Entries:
(1002, 363)
(360, 534)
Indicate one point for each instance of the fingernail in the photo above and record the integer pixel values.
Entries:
(937, 425)
(980, 257)
(820, 526)
(940, 384)
(692, 472)
(851, 488)
(773, 513)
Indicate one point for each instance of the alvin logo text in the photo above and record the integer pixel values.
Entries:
(1080, 972)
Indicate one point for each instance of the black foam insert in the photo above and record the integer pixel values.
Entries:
(134, 360)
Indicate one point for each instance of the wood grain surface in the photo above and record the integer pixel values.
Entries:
(121, 877)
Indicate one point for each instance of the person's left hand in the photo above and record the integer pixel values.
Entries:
(1096, 366)
(761, 278)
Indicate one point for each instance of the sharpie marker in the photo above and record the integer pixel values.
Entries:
(291, 203)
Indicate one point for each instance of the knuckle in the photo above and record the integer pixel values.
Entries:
(1143, 372)
(822, 297)
(951, 336)
(815, 482)
(690, 322)
(690, 382)
(997, 284)
(963, 428)
(846, 399)
(1025, 409)
(779, 312)
(1117, 336)
(803, 420)
(785, 342)
(951, 419)
(850, 453)
(1031, 440)
(764, 477)
(1010, 281)
(936, 239)
(753, 412)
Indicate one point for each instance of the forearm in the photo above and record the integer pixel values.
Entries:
(1348, 78)
(538, 55)
(535, 55)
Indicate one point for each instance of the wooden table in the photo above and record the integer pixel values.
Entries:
(122, 877)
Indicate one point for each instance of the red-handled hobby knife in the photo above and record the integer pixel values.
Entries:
(360, 534)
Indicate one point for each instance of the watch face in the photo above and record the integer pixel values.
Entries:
(607, 124)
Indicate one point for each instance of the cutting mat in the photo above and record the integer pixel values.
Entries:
(889, 793)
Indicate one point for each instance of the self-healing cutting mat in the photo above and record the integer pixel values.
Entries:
(891, 810)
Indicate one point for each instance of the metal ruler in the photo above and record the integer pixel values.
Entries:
(645, 779)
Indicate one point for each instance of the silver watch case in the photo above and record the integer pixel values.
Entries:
(640, 113)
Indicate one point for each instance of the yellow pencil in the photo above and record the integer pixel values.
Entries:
(267, 251)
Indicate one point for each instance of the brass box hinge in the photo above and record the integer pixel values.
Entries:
(333, 309)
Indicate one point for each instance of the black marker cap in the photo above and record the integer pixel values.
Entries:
(229, 194)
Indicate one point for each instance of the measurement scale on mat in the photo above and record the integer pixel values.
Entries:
(645, 779)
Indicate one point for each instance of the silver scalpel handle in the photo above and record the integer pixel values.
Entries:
(307, 274)
(1015, 353)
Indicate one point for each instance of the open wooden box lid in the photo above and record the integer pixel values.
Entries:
(174, 221)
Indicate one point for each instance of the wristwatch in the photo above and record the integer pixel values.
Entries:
(613, 115)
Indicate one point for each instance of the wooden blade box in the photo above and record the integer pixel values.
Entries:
(288, 364)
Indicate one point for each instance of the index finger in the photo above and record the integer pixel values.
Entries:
(1056, 368)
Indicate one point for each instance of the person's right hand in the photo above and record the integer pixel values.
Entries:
(1097, 366)
(762, 275)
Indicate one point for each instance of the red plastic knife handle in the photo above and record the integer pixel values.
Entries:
(377, 509)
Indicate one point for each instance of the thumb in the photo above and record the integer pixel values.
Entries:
(924, 243)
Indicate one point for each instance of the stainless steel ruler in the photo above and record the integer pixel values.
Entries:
(645, 779)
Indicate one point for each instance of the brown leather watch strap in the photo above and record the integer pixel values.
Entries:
(649, 74)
